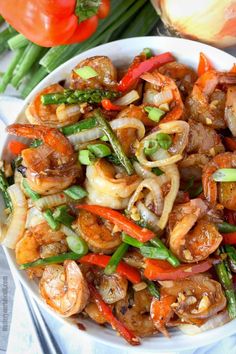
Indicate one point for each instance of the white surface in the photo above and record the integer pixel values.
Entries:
(121, 51)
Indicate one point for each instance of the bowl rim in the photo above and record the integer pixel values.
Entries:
(215, 334)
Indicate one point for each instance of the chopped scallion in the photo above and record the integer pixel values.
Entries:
(154, 113)
(157, 171)
(50, 220)
(131, 241)
(61, 214)
(147, 52)
(86, 157)
(33, 195)
(99, 150)
(164, 140)
(225, 175)
(150, 147)
(116, 258)
(86, 72)
(76, 192)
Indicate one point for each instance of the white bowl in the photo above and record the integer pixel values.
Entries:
(121, 52)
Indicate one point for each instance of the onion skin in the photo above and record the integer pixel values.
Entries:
(209, 21)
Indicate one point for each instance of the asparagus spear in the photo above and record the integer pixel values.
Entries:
(3, 188)
(105, 127)
(225, 279)
(51, 260)
(77, 96)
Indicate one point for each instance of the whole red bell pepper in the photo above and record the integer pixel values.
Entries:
(49, 23)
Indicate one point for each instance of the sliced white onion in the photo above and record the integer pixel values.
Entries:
(148, 216)
(128, 98)
(214, 322)
(156, 193)
(173, 173)
(34, 217)
(16, 226)
(51, 201)
(96, 133)
(65, 112)
(156, 98)
(145, 172)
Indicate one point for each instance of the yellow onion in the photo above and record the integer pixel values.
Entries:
(210, 21)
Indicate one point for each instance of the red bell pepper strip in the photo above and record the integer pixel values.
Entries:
(162, 270)
(123, 223)
(110, 318)
(230, 143)
(124, 269)
(204, 64)
(136, 71)
(16, 147)
(104, 9)
(109, 106)
(229, 238)
(49, 23)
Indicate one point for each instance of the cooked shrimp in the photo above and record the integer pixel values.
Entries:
(51, 115)
(112, 287)
(96, 233)
(93, 312)
(206, 104)
(183, 75)
(224, 160)
(167, 85)
(134, 312)
(64, 288)
(103, 178)
(39, 241)
(106, 77)
(50, 167)
(201, 241)
(192, 165)
(161, 312)
(128, 136)
(197, 298)
(230, 109)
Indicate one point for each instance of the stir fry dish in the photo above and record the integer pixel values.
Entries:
(120, 195)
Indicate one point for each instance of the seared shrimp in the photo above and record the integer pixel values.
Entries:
(183, 75)
(64, 288)
(51, 115)
(107, 183)
(161, 312)
(39, 241)
(224, 160)
(96, 233)
(167, 86)
(201, 241)
(93, 312)
(196, 298)
(112, 287)
(230, 109)
(50, 167)
(106, 77)
(206, 104)
(134, 312)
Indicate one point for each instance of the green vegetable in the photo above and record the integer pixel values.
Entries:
(164, 140)
(157, 171)
(37, 77)
(99, 150)
(150, 147)
(189, 184)
(31, 194)
(154, 113)
(231, 252)
(106, 128)
(113, 159)
(171, 258)
(225, 227)
(30, 55)
(147, 52)
(78, 96)
(61, 215)
(131, 241)
(154, 252)
(225, 175)
(77, 127)
(51, 260)
(86, 157)
(50, 220)
(3, 188)
(104, 138)
(18, 41)
(152, 288)
(116, 258)
(194, 192)
(76, 192)
(86, 72)
(77, 245)
(35, 143)
(6, 78)
(86, 8)
(225, 279)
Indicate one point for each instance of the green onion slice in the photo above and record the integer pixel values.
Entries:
(154, 113)
(86, 72)
(164, 140)
(157, 171)
(99, 150)
(50, 220)
(116, 258)
(86, 157)
(150, 147)
(75, 192)
(225, 175)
